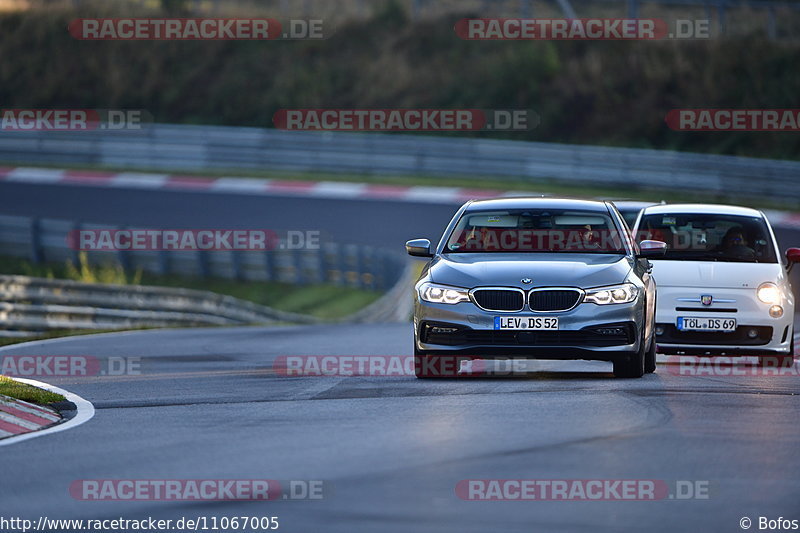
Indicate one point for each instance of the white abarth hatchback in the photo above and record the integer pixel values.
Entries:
(723, 288)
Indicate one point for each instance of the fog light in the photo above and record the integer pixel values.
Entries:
(611, 331)
(659, 330)
(752, 333)
(776, 311)
(436, 329)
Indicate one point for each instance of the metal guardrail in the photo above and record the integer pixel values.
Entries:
(37, 304)
(216, 148)
(45, 240)
(29, 306)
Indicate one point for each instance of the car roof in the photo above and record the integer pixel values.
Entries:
(537, 202)
(714, 209)
(629, 205)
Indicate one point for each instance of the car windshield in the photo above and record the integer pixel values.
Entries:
(709, 237)
(529, 230)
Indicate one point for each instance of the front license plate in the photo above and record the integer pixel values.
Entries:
(525, 322)
(693, 323)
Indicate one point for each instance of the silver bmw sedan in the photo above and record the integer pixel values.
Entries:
(535, 278)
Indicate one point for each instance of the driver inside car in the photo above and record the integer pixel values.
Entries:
(734, 244)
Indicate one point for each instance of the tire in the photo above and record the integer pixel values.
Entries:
(650, 356)
(632, 366)
(429, 365)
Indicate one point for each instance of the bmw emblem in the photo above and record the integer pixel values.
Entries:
(706, 299)
(526, 281)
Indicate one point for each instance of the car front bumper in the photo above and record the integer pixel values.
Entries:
(757, 333)
(588, 331)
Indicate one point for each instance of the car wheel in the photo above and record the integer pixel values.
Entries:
(429, 365)
(650, 357)
(631, 366)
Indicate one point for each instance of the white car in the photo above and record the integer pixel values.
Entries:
(723, 287)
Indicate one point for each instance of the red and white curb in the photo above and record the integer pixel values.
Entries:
(21, 420)
(239, 185)
(18, 417)
(274, 187)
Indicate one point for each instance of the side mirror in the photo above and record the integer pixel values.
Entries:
(793, 256)
(419, 248)
(649, 249)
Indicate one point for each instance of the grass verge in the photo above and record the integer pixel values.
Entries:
(28, 393)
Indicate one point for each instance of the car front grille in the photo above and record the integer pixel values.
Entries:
(499, 299)
(553, 299)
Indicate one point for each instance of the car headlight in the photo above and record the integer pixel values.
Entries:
(442, 294)
(769, 293)
(614, 294)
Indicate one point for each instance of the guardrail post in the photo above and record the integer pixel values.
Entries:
(236, 266)
(322, 264)
(344, 263)
(297, 263)
(123, 258)
(269, 265)
(358, 265)
(163, 262)
(76, 250)
(37, 256)
(202, 264)
(383, 271)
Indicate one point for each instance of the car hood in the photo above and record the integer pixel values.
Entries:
(713, 274)
(507, 270)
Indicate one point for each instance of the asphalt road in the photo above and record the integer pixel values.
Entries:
(384, 223)
(390, 450)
